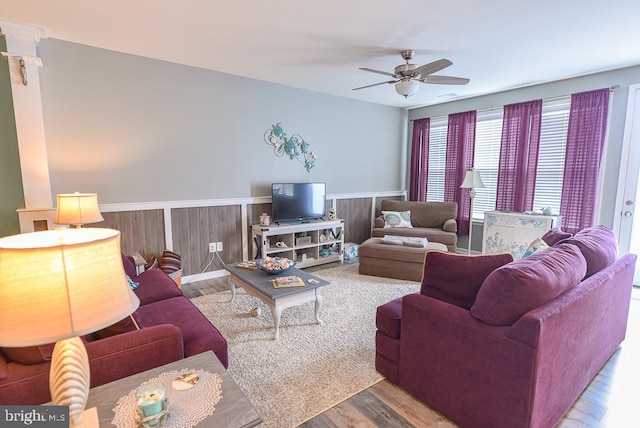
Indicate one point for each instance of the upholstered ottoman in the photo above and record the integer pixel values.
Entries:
(394, 261)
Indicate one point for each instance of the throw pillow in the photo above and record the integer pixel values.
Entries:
(132, 284)
(129, 265)
(152, 263)
(537, 245)
(456, 278)
(4, 369)
(555, 236)
(350, 251)
(170, 262)
(514, 289)
(30, 354)
(598, 246)
(397, 218)
(123, 326)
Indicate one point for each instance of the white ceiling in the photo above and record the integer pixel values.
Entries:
(319, 45)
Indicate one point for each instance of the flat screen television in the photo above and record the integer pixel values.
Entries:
(293, 202)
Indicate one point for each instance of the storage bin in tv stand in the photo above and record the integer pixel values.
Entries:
(320, 234)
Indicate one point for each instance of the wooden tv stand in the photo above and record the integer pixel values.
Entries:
(309, 244)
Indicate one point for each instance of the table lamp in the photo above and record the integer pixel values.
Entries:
(76, 209)
(472, 181)
(56, 286)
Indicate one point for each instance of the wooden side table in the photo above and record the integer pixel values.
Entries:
(233, 410)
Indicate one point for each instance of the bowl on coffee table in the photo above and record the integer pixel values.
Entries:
(275, 265)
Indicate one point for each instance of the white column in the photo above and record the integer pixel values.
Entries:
(21, 42)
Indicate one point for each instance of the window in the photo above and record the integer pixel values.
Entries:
(437, 157)
(486, 158)
(553, 137)
(553, 144)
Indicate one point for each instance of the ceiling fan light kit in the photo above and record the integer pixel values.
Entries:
(409, 76)
(407, 88)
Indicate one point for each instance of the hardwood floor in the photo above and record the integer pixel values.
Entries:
(381, 405)
(609, 401)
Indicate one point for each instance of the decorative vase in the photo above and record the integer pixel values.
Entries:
(265, 219)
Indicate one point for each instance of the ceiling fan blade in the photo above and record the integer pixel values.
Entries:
(377, 71)
(445, 80)
(433, 67)
(375, 84)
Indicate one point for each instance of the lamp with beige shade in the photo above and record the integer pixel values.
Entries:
(56, 286)
(76, 209)
(472, 181)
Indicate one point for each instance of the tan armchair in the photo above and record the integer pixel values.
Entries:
(436, 221)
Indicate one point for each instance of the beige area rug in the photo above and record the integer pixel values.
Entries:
(311, 367)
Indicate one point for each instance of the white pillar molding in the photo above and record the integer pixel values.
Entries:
(22, 41)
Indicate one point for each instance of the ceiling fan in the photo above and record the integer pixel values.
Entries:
(407, 77)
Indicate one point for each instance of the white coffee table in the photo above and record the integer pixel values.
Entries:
(258, 284)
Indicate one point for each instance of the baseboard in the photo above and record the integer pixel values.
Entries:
(460, 250)
(205, 275)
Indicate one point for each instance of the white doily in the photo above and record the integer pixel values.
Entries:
(186, 408)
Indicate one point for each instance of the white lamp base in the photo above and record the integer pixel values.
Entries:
(89, 419)
(472, 194)
(69, 377)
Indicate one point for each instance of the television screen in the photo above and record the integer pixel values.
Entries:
(298, 201)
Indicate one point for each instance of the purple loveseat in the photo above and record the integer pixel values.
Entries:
(491, 342)
(171, 328)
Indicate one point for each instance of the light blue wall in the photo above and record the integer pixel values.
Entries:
(617, 114)
(134, 129)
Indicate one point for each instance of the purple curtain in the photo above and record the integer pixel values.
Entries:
(461, 138)
(518, 156)
(585, 142)
(419, 160)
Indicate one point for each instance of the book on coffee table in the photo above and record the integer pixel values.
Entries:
(250, 265)
(287, 281)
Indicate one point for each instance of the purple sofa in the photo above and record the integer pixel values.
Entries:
(491, 342)
(171, 328)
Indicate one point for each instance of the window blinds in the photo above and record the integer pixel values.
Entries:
(553, 142)
(553, 137)
(487, 155)
(437, 158)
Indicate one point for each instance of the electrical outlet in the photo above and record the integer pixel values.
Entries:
(212, 247)
(218, 246)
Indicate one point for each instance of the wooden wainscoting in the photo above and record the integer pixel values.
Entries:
(194, 228)
(140, 231)
(187, 227)
(357, 215)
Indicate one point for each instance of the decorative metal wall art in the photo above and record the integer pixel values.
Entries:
(294, 146)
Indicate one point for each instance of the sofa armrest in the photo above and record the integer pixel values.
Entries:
(128, 353)
(378, 221)
(454, 362)
(4, 369)
(129, 265)
(109, 359)
(450, 225)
